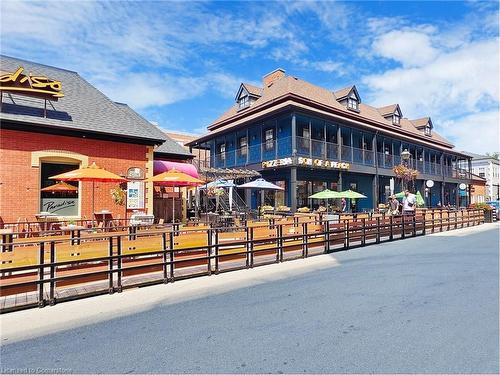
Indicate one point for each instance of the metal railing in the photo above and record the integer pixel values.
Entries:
(127, 260)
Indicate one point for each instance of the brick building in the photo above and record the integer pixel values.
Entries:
(53, 121)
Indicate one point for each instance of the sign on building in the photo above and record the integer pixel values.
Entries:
(135, 195)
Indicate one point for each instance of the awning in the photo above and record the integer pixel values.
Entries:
(160, 166)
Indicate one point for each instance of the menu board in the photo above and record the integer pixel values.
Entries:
(135, 195)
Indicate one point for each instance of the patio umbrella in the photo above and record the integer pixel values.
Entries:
(261, 184)
(93, 174)
(174, 178)
(325, 194)
(351, 194)
(221, 183)
(60, 186)
(218, 184)
(418, 196)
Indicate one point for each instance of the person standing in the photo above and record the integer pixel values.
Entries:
(409, 203)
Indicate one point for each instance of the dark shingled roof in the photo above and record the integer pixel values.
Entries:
(83, 107)
(172, 147)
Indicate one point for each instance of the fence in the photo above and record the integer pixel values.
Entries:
(45, 271)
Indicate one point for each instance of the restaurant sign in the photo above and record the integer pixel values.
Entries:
(321, 163)
(29, 84)
(60, 206)
(277, 163)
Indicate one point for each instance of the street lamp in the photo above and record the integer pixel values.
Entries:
(405, 156)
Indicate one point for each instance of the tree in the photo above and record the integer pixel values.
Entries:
(494, 155)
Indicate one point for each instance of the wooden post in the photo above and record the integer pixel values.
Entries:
(52, 283)
(41, 271)
(110, 265)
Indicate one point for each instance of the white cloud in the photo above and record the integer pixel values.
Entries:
(409, 47)
(478, 132)
(145, 89)
(455, 83)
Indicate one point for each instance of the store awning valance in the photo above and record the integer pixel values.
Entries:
(160, 166)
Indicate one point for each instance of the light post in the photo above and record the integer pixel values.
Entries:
(405, 158)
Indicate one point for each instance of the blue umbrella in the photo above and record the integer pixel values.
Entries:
(218, 184)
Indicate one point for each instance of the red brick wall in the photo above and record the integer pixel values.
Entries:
(19, 181)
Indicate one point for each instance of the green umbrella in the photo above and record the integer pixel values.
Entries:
(350, 194)
(325, 194)
(418, 196)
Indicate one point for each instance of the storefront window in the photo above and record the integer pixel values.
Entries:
(60, 202)
(302, 194)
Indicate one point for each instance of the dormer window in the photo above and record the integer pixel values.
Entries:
(348, 97)
(396, 119)
(244, 102)
(428, 129)
(352, 103)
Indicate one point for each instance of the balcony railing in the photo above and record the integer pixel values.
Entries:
(280, 148)
(268, 150)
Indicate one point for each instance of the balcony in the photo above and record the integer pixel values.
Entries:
(269, 150)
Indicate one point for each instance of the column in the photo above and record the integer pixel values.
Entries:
(442, 193)
(248, 198)
(294, 135)
(375, 191)
(339, 143)
(293, 189)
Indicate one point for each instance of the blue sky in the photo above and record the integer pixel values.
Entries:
(180, 63)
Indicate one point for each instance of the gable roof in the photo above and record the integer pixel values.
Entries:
(83, 107)
(292, 88)
(389, 110)
(343, 93)
(421, 122)
(250, 89)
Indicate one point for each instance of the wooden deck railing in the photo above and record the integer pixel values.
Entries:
(46, 270)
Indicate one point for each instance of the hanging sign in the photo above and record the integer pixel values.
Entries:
(32, 85)
(135, 195)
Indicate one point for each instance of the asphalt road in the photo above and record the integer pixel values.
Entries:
(423, 305)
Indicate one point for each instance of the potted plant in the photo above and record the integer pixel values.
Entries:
(487, 209)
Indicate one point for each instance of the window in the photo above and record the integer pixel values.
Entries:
(352, 103)
(269, 138)
(481, 174)
(396, 119)
(427, 130)
(306, 133)
(62, 203)
(222, 151)
(242, 143)
(244, 102)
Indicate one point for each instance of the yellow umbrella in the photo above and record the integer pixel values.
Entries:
(60, 186)
(91, 173)
(174, 178)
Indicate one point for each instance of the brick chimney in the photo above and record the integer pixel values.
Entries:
(276, 74)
